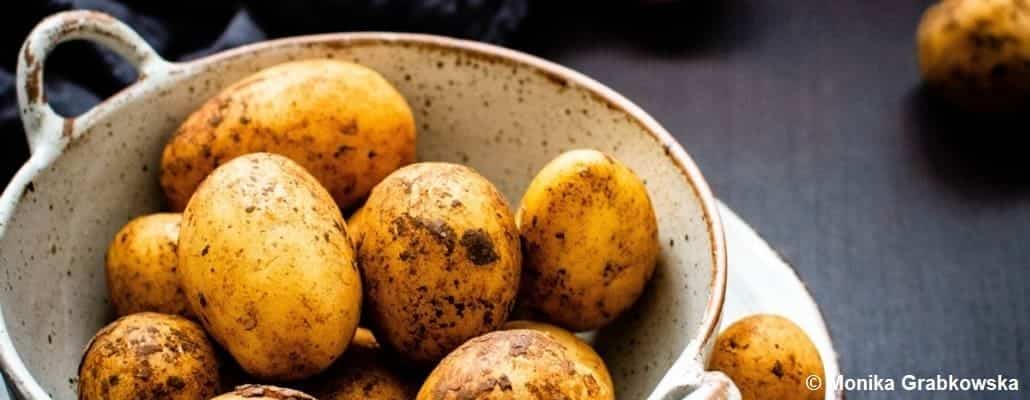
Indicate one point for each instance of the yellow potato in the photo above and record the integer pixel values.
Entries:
(583, 353)
(266, 264)
(769, 358)
(361, 373)
(264, 392)
(343, 122)
(512, 365)
(590, 240)
(976, 53)
(149, 356)
(354, 228)
(141, 264)
(440, 259)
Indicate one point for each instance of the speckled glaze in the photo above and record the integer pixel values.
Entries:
(502, 112)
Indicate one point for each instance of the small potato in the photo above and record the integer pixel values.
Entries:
(976, 53)
(590, 240)
(440, 258)
(141, 267)
(361, 373)
(769, 358)
(342, 122)
(354, 227)
(516, 364)
(149, 356)
(263, 392)
(266, 263)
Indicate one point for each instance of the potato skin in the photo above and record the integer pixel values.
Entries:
(769, 358)
(440, 257)
(582, 352)
(361, 373)
(514, 364)
(267, 265)
(343, 122)
(976, 53)
(264, 392)
(141, 267)
(149, 356)
(354, 227)
(590, 240)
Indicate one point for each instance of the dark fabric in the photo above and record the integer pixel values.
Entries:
(907, 219)
(79, 75)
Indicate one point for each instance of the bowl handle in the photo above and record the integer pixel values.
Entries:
(688, 380)
(43, 126)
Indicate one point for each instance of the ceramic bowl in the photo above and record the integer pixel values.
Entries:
(502, 112)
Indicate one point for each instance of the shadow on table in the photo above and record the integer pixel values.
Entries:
(982, 157)
(678, 28)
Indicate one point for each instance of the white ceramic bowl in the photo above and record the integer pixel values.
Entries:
(502, 112)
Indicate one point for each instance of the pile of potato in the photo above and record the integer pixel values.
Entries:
(261, 273)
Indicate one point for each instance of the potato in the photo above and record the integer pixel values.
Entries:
(354, 227)
(149, 356)
(440, 257)
(590, 240)
(141, 264)
(266, 264)
(769, 358)
(976, 53)
(515, 364)
(361, 373)
(264, 392)
(584, 354)
(343, 122)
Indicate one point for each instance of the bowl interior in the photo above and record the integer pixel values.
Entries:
(502, 113)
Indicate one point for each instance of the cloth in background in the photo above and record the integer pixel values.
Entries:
(80, 75)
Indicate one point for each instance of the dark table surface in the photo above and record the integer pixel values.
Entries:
(907, 220)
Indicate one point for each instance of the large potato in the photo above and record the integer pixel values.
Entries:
(582, 352)
(769, 358)
(343, 122)
(149, 356)
(590, 239)
(977, 53)
(440, 256)
(515, 364)
(266, 264)
(361, 373)
(264, 392)
(141, 264)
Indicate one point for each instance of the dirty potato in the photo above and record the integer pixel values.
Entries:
(141, 266)
(768, 357)
(264, 392)
(584, 354)
(149, 356)
(361, 373)
(440, 257)
(515, 364)
(976, 53)
(590, 240)
(354, 227)
(266, 264)
(343, 122)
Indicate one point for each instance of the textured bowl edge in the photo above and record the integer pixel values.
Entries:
(26, 385)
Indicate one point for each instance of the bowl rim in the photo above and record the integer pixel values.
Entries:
(674, 151)
(43, 158)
